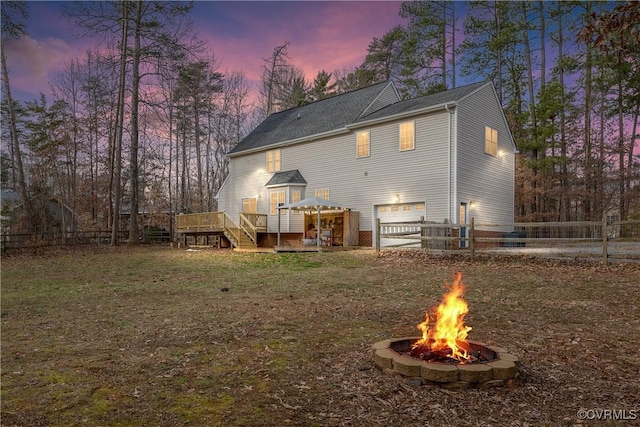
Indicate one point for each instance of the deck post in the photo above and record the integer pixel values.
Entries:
(377, 235)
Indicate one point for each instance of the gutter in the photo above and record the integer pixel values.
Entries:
(347, 128)
(310, 138)
(449, 164)
(397, 116)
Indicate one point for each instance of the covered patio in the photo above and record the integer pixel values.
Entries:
(328, 225)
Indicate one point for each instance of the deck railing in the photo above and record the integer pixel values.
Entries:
(252, 223)
(205, 221)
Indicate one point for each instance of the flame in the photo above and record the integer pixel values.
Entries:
(449, 328)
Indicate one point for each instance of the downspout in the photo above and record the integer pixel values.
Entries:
(449, 163)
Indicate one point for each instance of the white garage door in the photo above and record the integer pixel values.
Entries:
(400, 212)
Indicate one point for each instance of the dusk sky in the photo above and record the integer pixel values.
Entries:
(331, 35)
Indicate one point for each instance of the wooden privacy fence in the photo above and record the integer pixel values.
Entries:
(580, 238)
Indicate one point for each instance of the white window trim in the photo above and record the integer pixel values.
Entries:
(271, 164)
(368, 133)
(413, 145)
(273, 193)
(323, 193)
(491, 145)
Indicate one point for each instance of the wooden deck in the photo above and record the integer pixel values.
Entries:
(218, 224)
(314, 248)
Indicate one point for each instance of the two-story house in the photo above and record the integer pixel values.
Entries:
(447, 156)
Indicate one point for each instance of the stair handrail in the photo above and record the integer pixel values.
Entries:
(249, 228)
(231, 229)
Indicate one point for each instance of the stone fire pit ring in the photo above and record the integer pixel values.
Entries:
(389, 356)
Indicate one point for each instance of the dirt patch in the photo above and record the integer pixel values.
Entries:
(152, 336)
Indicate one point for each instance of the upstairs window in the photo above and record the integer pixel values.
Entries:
(362, 144)
(407, 136)
(490, 141)
(323, 193)
(273, 160)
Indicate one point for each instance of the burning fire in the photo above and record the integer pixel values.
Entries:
(442, 339)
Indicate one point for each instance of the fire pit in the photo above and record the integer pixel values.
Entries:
(443, 355)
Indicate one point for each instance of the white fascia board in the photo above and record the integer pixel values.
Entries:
(309, 138)
(367, 123)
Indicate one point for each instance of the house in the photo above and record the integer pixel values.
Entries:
(447, 156)
(54, 218)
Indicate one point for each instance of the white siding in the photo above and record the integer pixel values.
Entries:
(387, 96)
(419, 175)
(414, 175)
(485, 179)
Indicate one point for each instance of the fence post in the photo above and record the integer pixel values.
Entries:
(377, 235)
(471, 238)
(605, 232)
(447, 233)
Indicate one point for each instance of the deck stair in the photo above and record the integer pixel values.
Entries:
(244, 236)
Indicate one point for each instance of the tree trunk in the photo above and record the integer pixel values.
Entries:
(453, 46)
(196, 113)
(134, 167)
(564, 174)
(588, 173)
(15, 143)
(536, 207)
(119, 129)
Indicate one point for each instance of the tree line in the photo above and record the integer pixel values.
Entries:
(143, 122)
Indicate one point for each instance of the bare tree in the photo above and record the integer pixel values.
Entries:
(13, 28)
(272, 72)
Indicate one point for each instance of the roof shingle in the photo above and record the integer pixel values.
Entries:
(336, 113)
(286, 177)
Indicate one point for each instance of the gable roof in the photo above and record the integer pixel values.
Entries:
(316, 118)
(286, 177)
(340, 113)
(423, 102)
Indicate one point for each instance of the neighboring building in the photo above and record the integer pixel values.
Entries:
(54, 217)
(448, 156)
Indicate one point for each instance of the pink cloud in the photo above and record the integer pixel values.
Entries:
(33, 63)
(323, 35)
(329, 36)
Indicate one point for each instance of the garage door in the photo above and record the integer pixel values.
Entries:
(400, 212)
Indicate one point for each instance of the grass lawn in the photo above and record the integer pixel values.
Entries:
(157, 337)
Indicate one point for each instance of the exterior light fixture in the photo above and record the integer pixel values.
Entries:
(396, 198)
(473, 204)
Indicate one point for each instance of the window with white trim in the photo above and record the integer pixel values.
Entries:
(362, 144)
(273, 160)
(407, 136)
(276, 198)
(296, 197)
(250, 205)
(323, 193)
(490, 141)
